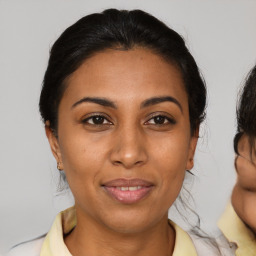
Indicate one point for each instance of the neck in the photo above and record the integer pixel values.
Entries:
(93, 238)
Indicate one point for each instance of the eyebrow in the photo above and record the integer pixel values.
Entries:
(108, 103)
(157, 100)
(101, 101)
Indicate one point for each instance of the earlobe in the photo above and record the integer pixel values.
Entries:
(54, 144)
(190, 164)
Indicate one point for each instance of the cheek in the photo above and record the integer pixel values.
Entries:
(170, 159)
(78, 148)
(82, 158)
(172, 173)
(171, 151)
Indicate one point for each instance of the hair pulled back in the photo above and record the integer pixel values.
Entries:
(118, 29)
(246, 111)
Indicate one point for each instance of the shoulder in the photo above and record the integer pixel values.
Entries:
(30, 248)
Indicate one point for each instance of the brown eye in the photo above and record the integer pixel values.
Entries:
(160, 120)
(96, 120)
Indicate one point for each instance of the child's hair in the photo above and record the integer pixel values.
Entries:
(246, 112)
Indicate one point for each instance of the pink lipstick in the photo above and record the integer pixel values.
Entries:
(128, 191)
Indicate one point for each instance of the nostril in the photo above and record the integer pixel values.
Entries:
(126, 164)
(138, 162)
(117, 162)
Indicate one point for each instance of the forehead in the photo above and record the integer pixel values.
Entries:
(246, 146)
(123, 75)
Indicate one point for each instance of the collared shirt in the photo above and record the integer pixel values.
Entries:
(53, 243)
(65, 221)
(237, 232)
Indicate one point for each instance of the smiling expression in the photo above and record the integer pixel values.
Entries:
(124, 138)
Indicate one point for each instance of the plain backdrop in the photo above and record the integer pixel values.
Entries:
(221, 35)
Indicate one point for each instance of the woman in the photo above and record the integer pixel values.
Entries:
(122, 101)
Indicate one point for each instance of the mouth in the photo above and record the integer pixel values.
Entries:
(128, 191)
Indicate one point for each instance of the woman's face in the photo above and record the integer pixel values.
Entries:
(124, 138)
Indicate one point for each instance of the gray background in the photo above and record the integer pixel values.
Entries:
(221, 35)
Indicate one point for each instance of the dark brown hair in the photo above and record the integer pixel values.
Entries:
(246, 112)
(110, 29)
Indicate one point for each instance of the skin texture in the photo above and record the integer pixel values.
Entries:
(244, 192)
(128, 144)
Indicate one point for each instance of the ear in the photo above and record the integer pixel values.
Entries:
(54, 144)
(192, 149)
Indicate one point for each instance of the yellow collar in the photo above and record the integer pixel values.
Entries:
(183, 243)
(236, 231)
(65, 221)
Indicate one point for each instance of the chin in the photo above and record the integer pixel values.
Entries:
(130, 222)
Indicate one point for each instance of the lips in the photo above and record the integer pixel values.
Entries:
(128, 191)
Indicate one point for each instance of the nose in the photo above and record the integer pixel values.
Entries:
(129, 148)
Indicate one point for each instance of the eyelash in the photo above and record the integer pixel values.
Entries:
(166, 120)
(87, 120)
